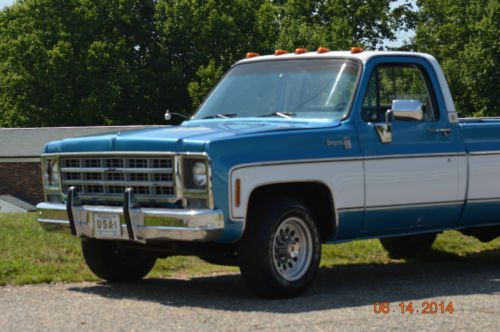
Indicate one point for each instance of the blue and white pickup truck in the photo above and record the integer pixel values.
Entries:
(288, 151)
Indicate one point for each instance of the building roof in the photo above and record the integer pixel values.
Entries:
(9, 203)
(22, 144)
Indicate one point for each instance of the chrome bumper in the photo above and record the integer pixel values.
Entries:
(137, 224)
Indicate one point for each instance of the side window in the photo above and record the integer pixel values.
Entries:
(390, 82)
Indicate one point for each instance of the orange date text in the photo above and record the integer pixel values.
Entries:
(412, 307)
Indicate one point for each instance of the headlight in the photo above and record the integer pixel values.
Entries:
(199, 174)
(50, 169)
(195, 174)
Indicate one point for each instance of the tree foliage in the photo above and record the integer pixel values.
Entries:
(200, 39)
(205, 79)
(463, 36)
(77, 62)
(339, 24)
(84, 62)
(270, 25)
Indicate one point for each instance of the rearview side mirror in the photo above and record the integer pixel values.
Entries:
(401, 109)
(168, 115)
(407, 109)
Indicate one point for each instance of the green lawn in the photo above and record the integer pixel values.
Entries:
(30, 255)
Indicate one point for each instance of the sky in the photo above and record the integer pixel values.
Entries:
(4, 3)
(401, 35)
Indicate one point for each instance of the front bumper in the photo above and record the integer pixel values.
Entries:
(137, 224)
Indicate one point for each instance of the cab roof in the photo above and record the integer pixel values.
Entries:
(363, 56)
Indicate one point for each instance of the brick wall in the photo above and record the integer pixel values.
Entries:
(22, 180)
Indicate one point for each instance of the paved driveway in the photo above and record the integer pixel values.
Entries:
(341, 299)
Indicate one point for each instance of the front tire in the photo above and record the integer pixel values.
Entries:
(408, 246)
(280, 251)
(109, 262)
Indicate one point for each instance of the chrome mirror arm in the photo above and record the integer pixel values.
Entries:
(168, 115)
(384, 130)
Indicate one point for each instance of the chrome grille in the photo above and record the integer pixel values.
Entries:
(106, 178)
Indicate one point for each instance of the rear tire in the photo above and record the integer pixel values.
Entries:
(113, 264)
(408, 246)
(280, 251)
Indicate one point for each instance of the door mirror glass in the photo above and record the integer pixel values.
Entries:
(407, 109)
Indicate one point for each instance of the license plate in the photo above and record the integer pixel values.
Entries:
(107, 225)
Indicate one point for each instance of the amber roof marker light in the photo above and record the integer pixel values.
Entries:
(251, 55)
(322, 50)
(355, 50)
(301, 50)
(280, 52)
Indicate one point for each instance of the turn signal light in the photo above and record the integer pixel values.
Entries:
(280, 52)
(355, 50)
(252, 55)
(323, 50)
(301, 50)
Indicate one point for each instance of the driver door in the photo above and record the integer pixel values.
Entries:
(412, 182)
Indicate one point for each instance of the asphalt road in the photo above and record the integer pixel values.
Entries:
(341, 299)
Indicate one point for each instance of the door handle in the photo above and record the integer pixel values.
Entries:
(444, 131)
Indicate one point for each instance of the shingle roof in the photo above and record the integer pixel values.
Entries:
(29, 142)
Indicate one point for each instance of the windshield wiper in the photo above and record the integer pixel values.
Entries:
(286, 115)
(221, 116)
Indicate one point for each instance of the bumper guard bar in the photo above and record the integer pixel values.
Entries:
(136, 224)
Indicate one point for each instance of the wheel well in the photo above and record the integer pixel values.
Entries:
(316, 196)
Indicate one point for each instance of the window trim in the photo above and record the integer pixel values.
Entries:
(427, 81)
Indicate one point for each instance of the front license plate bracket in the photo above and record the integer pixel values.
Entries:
(107, 225)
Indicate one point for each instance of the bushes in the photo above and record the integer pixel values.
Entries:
(87, 62)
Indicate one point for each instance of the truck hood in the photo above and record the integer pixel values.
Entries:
(190, 136)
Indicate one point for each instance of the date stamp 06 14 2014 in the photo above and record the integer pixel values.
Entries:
(411, 308)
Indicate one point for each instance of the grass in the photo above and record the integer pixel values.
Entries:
(29, 255)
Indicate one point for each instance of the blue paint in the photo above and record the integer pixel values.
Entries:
(236, 141)
(480, 213)
(408, 138)
(350, 223)
(278, 145)
(190, 136)
(481, 136)
(397, 220)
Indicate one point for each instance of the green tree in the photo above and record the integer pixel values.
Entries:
(201, 38)
(463, 36)
(77, 63)
(338, 24)
(207, 77)
(84, 62)
(288, 24)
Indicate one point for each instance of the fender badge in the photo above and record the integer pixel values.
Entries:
(346, 142)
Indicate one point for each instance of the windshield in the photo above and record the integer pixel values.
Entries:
(320, 88)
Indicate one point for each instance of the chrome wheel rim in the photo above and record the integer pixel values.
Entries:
(292, 248)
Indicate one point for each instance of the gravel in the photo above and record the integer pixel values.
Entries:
(341, 299)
